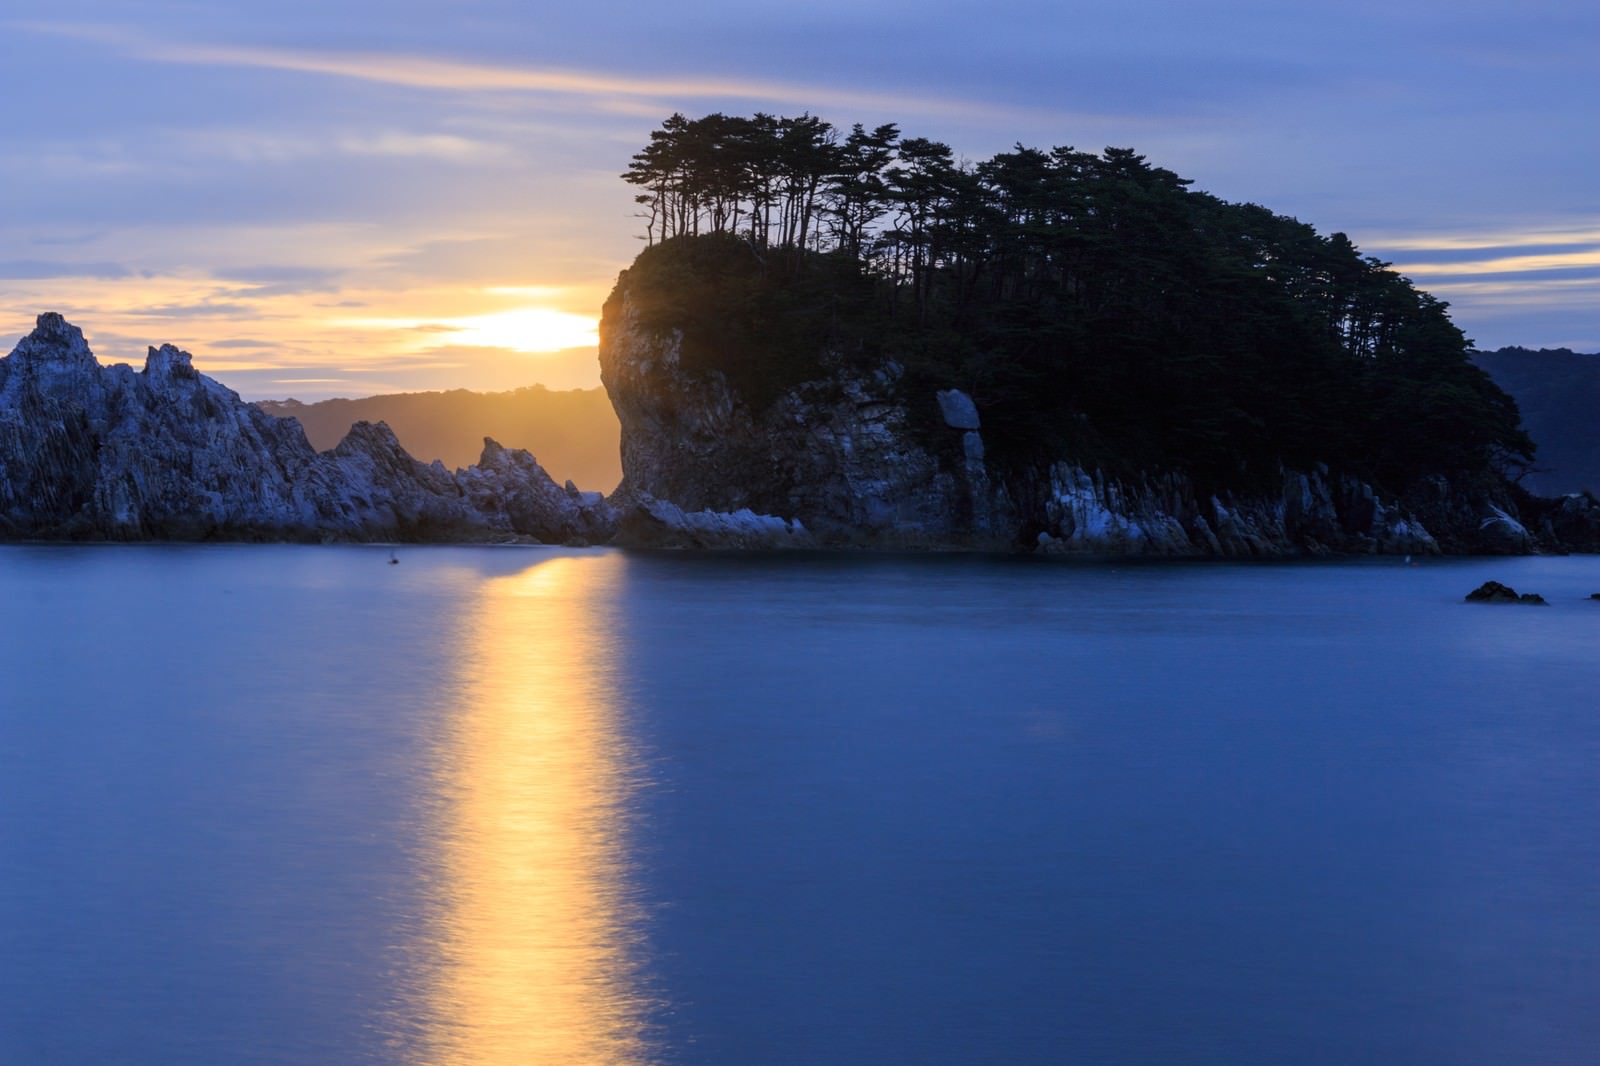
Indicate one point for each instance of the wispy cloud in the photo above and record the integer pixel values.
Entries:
(1484, 240)
(1520, 292)
(602, 88)
(1576, 259)
(430, 146)
(30, 269)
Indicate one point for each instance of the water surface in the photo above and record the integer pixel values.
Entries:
(294, 804)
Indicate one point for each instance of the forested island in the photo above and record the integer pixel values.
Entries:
(1095, 309)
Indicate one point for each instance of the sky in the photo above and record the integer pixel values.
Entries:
(348, 197)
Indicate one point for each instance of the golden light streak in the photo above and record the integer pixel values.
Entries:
(537, 952)
(524, 329)
(1466, 242)
(1509, 264)
(1524, 293)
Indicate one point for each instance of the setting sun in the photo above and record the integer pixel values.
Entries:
(529, 329)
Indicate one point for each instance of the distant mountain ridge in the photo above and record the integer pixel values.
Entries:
(1558, 392)
(573, 433)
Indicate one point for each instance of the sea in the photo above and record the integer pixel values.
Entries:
(321, 804)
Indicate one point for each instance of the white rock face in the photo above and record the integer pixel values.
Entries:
(92, 452)
(661, 524)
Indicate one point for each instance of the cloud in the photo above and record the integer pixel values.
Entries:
(1533, 237)
(199, 310)
(1556, 294)
(601, 88)
(1576, 259)
(263, 281)
(428, 146)
(38, 269)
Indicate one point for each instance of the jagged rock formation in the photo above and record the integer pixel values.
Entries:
(107, 453)
(573, 432)
(509, 482)
(838, 457)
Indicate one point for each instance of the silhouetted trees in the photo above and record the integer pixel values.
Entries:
(1089, 301)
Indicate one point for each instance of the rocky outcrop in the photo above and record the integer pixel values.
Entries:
(837, 456)
(651, 523)
(841, 458)
(110, 453)
(1494, 592)
(509, 482)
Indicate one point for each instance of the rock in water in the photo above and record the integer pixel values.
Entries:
(1494, 592)
(107, 453)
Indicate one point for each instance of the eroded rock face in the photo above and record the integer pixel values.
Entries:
(839, 457)
(92, 452)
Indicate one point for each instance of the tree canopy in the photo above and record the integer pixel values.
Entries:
(1093, 304)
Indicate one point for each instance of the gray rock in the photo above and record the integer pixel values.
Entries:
(958, 409)
(1494, 592)
(649, 522)
(92, 452)
(510, 482)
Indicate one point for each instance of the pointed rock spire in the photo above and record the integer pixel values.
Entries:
(54, 342)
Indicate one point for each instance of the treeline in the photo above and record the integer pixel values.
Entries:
(1089, 301)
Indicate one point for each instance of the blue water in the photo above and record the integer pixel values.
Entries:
(296, 805)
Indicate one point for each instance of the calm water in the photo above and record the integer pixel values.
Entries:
(295, 805)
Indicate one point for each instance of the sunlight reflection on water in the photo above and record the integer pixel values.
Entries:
(536, 936)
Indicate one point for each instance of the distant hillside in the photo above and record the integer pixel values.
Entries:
(1558, 392)
(573, 434)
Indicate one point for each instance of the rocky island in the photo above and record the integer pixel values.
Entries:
(1051, 351)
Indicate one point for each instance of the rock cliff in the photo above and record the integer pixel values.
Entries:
(838, 459)
(93, 452)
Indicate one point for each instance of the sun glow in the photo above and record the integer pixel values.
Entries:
(528, 329)
(520, 329)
